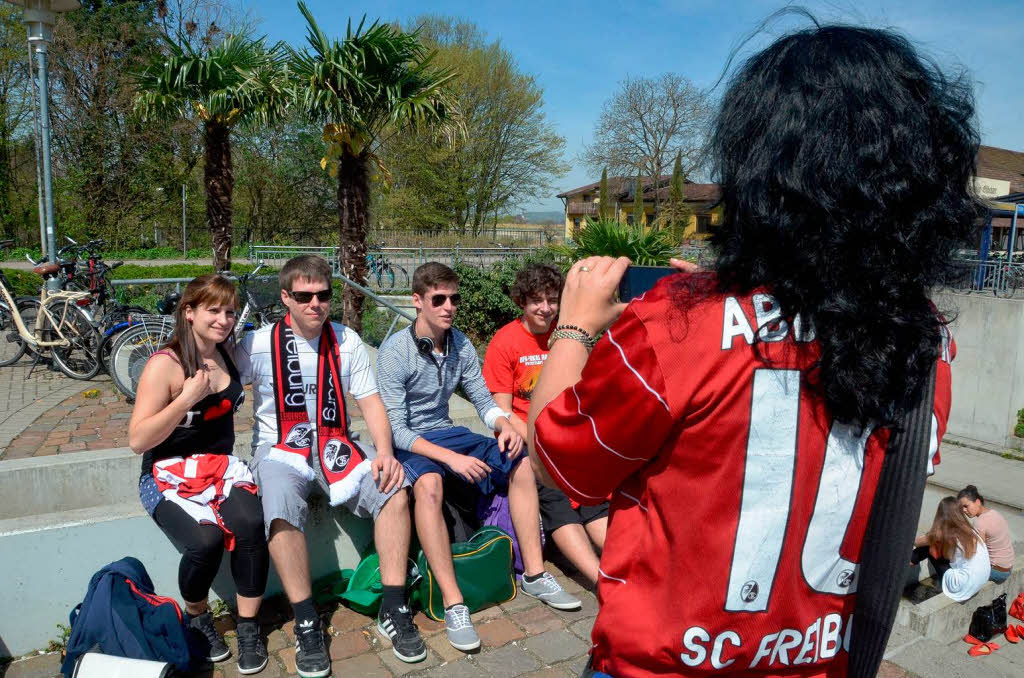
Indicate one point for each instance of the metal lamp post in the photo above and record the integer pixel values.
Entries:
(39, 16)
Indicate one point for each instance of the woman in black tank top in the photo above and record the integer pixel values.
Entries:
(183, 426)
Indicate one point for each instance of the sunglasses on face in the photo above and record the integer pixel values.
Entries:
(306, 297)
(438, 300)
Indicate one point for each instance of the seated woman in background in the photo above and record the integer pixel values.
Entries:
(955, 550)
(992, 527)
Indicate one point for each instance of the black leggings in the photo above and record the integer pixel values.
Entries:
(203, 546)
(940, 564)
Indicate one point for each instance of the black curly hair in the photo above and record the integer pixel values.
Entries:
(845, 162)
(535, 279)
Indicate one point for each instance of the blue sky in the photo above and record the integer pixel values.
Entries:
(579, 51)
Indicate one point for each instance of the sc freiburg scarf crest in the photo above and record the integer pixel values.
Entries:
(342, 462)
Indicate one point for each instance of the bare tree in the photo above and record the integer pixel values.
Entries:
(646, 123)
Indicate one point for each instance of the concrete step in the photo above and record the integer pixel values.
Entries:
(999, 480)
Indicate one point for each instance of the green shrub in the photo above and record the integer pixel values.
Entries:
(644, 247)
(1018, 430)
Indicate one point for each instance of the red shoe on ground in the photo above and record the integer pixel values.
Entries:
(1011, 634)
(980, 650)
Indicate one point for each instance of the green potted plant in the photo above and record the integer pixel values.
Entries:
(649, 251)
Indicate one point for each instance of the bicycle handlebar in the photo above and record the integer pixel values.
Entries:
(34, 262)
(6, 243)
(115, 265)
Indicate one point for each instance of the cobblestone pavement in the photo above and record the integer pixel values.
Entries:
(520, 638)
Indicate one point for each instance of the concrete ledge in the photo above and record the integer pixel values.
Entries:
(944, 620)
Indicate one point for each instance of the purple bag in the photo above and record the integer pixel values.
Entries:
(493, 510)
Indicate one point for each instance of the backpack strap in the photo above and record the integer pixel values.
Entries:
(890, 532)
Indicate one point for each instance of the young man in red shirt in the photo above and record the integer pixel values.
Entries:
(511, 367)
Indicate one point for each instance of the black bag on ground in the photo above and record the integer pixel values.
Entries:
(999, 613)
(983, 623)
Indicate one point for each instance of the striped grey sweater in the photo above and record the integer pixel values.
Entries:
(416, 389)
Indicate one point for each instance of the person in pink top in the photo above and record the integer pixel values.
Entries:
(992, 527)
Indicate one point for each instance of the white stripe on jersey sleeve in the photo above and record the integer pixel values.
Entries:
(593, 426)
(551, 465)
(638, 375)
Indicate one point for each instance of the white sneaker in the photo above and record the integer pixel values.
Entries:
(550, 592)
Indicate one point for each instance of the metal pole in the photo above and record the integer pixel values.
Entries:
(44, 125)
(184, 237)
(1013, 233)
(35, 140)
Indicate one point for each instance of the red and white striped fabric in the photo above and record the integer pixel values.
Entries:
(200, 482)
(738, 506)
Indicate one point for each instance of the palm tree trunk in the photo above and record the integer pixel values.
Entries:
(353, 225)
(220, 182)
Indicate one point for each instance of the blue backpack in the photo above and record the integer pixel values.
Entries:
(122, 616)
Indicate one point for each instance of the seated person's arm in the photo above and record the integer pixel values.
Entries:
(921, 541)
(494, 418)
(387, 471)
(157, 409)
(504, 401)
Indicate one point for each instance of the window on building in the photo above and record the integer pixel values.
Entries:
(576, 228)
(629, 219)
(703, 223)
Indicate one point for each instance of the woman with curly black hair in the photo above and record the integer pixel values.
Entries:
(740, 416)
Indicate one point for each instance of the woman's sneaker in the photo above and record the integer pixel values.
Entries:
(252, 653)
(206, 642)
(311, 658)
(397, 625)
(547, 590)
(459, 628)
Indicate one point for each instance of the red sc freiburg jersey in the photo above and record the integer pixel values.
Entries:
(739, 506)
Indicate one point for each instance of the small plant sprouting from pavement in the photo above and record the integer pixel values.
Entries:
(61, 641)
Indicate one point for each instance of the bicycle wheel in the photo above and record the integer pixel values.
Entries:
(12, 346)
(387, 278)
(122, 315)
(80, 359)
(401, 278)
(28, 307)
(132, 349)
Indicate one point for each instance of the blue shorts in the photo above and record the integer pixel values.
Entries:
(460, 439)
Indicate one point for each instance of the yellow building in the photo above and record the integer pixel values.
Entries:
(583, 202)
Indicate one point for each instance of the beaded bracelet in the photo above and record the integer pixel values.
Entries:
(574, 334)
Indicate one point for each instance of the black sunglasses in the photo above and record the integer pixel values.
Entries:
(306, 297)
(438, 299)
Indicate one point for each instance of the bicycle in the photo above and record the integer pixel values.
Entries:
(133, 347)
(59, 323)
(386, 273)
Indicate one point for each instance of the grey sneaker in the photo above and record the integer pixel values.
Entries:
(549, 591)
(459, 627)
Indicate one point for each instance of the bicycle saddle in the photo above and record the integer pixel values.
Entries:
(46, 270)
(167, 305)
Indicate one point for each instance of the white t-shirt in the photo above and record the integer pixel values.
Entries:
(252, 358)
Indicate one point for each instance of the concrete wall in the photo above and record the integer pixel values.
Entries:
(988, 372)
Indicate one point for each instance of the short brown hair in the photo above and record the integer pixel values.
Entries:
(308, 266)
(535, 279)
(432, 274)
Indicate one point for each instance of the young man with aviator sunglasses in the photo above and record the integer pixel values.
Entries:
(301, 369)
(418, 371)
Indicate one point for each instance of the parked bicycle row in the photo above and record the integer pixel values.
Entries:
(77, 323)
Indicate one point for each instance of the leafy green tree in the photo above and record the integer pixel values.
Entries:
(605, 209)
(675, 214)
(236, 81)
(638, 203)
(14, 110)
(378, 80)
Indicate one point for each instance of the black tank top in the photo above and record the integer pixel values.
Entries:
(208, 427)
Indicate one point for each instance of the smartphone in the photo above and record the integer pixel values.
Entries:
(639, 279)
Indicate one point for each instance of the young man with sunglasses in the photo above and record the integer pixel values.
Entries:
(418, 371)
(302, 368)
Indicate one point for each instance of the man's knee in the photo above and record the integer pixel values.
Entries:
(429, 490)
(399, 501)
(523, 472)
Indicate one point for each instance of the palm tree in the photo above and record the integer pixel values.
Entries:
(236, 81)
(377, 81)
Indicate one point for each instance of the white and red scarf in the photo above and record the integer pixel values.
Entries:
(200, 482)
(341, 460)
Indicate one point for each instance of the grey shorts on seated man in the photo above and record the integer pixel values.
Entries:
(284, 492)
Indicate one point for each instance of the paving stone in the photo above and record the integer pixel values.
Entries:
(555, 646)
(460, 669)
(498, 632)
(582, 628)
(440, 645)
(287, 656)
(349, 644)
(276, 640)
(520, 602)
(399, 668)
(121, 415)
(549, 672)
(574, 667)
(890, 670)
(344, 620)
(537, 620)
(46, 451)
(426, 625)
(72, 447)
(272, 670)
(492, 612)
(288, 628)
(507, 662)
(363, 666)
(40, 666)
(569, 584)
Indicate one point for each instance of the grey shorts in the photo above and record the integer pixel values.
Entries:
(284, 492)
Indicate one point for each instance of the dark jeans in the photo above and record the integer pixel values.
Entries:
(940, 564)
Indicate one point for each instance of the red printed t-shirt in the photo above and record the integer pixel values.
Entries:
(513, 361)
(738, 506)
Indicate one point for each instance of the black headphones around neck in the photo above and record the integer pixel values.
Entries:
(425, 345)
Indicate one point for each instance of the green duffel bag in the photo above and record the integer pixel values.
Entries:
(359, 589)
(483, 569)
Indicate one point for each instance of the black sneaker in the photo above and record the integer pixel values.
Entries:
(311, 658)
(252, 653)
(207, 643)
(397, 625)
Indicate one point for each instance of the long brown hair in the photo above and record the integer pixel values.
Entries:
(210, 289)
(951, 529)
